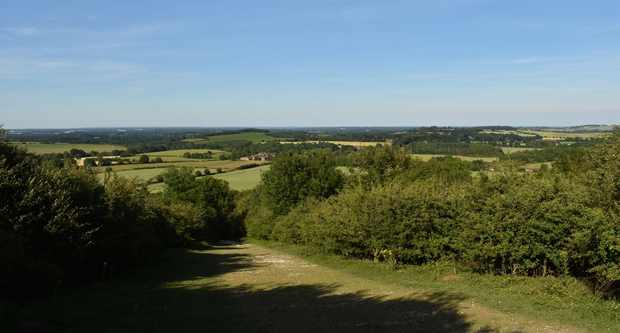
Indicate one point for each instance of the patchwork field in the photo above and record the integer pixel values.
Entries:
(59, 148)
(427, 157)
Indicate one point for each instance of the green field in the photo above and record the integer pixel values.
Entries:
(254, 137)
(59, 148)
(239, 180)
(427, 157)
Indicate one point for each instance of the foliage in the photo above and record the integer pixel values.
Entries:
(211, 197)
(560, 222)
(381, 163)
(294, 177)
(60, 226)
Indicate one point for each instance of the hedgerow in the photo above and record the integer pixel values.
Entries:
(547, 223)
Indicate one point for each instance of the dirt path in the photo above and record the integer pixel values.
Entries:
(290, 294)
(249, 288)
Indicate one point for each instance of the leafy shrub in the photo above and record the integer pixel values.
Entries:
(416, 223)
(294, 177)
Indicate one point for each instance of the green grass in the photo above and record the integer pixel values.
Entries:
(559, 299)
(255, 137)
(239, 180)
(426, 157)
(59, 148)
(246, 179)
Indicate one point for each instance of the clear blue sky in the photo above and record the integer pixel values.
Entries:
(308, 63)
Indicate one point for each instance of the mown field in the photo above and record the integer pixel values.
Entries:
(254, 137)
(59, 148)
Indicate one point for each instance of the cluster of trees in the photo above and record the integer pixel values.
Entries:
(204, 156)
(557, 222)
(207, 205)
(61, 226)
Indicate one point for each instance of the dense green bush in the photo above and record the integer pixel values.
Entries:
(213, 205)
(294, 177)
(381, 163)
(415, 224)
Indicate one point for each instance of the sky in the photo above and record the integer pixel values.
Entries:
(75, 63)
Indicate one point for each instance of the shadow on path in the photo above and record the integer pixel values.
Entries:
(184, 294)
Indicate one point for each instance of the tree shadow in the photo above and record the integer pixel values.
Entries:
(185, 295)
